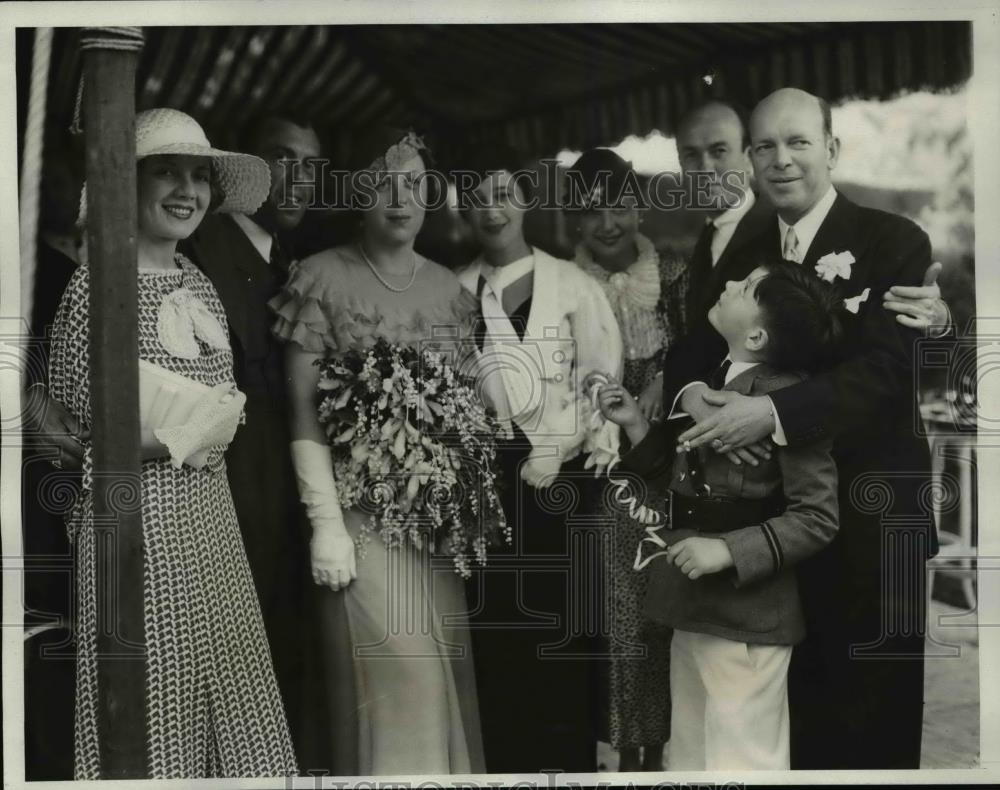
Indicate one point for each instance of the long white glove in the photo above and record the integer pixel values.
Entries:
(541, 467)
(212, 423)
(332, 548)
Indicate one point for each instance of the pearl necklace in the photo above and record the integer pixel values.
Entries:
(381, 279)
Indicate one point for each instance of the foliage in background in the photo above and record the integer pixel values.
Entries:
(913, 155)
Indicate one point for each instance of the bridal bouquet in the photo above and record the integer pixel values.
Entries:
(414, 446)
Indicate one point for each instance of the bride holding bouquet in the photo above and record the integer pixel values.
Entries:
(393, 452)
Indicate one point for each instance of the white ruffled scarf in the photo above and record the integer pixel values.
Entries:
(183, 320)
(634, 295)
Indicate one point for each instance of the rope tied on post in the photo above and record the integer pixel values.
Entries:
(121, 39)
(128, 39)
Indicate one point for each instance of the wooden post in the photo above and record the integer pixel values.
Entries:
(109, 124)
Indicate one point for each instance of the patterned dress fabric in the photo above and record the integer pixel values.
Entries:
(213, 708)
(417, 710)
(638, 681)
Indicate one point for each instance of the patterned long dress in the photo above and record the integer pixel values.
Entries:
(638, 681)
(213, 708)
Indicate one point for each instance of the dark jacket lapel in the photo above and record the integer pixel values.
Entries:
(757, 220)
(732, 265)
(834, 233)
(225, 254)
(743, 382)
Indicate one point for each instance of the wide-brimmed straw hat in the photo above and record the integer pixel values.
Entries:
(244, 179)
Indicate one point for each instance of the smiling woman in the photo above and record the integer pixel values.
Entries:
(174, 194)
(646, 290)
(212, 703)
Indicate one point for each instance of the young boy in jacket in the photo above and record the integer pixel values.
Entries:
(725, 582)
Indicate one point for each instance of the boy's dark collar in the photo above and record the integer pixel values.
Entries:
(743, 383)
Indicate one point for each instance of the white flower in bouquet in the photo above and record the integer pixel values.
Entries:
(415, 447)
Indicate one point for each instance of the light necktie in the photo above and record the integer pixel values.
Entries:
(492, 306)
(790, 250)
(503, 352)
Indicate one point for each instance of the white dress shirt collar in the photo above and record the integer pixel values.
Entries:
(738, 367)
(731, 216)
(259, 238)
(808, 226)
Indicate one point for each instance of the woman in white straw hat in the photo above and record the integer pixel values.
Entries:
(213, 707)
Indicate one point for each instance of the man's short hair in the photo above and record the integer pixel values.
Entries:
(824, 108)
(741, 112)
(256, 129)
(802, 316)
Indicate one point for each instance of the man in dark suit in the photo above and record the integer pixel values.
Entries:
(713, 143)
(248, 264)
(713, 147)
(856, 682)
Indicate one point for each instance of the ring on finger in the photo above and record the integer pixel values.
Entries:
(717, 443)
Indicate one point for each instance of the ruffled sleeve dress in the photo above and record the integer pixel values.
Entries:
(334, 302)
(414, 684)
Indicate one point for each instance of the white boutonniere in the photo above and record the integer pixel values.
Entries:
(834, 265)
(853, 304)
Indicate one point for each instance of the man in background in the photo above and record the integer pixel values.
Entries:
(247, 259)
(713, 146)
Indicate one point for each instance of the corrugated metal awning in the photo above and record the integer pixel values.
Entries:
(539, 87)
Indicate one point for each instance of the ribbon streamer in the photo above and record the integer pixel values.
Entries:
(653, 519)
